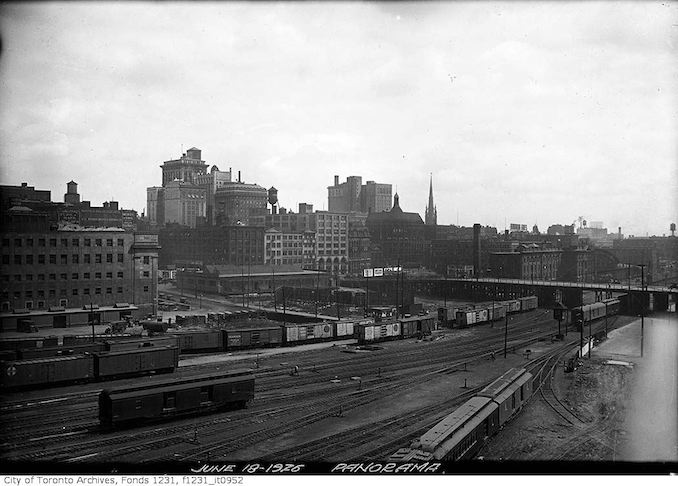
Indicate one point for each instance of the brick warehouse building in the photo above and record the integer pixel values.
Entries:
(56, 272)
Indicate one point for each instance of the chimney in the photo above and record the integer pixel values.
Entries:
(238, 176)
(336, 180)
(476, 249)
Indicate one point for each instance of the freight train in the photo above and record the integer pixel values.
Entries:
(462, 433)
(463, 317)
(170, 398)
(591, 312)
(89, 366)
(408, 327)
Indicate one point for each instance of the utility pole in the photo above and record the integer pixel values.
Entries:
(317, 290)
(580, 321)
(505, 333)
(642, 308)
(275, 299)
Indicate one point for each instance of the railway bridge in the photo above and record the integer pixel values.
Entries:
(633, 299)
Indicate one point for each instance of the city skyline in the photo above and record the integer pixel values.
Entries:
(562, 111)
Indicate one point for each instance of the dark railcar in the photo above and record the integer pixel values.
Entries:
(47, 371)
(14, 344)
(150, 342)
(154, 326)
(159, 359)
(255, 337)
(171, 398)
(70, 340)
(33, 353)
(196, 341)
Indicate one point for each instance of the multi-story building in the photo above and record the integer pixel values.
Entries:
(186, 168)
(289, 248)
(155, 205)
(397, 237)
(185, 203)
(207, 245)
(74, 267)
(354, 196)
(528, 262)
(212, 181)
(240, 203)
(359, 254)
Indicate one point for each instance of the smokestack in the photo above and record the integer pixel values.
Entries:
(238, 176)
(476, 249)
(336, 180)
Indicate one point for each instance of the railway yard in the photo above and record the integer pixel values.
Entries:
(340, 402)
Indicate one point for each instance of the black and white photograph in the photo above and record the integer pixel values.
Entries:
(338, 238)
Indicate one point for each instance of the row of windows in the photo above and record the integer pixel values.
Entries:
(63, 242)
(62, 293)
(64, 276)
(63, 259)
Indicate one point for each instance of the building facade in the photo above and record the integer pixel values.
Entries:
(186, 168)
(212, 181)
(289, 248)
(354, 196)
(185, 203)
(240, 203)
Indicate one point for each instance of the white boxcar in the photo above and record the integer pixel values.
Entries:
(512, 306)
(379, 332)
(495, 313)
(345, 329)
(465, 318)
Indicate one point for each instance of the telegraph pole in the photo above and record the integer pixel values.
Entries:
(580, 321)
(642, 308)
(505, 333)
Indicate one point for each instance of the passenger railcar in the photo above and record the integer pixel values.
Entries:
(510, 392)
(164, 399)
(592, 312)
(47, 371)
(159, 359)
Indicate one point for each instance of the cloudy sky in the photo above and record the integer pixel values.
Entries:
(528, 112)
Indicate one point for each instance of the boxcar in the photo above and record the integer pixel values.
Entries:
(177, 397)
(129, 344)
(8, 355)
(495, 313)
(154, 326)
(161, 359)
(528, 303)
(195, 341)
(510, 392)
(33, 353)
(512, 305)
(463, 432)
(70, 340)
(305, 333)
(471, 316)
(47, 371)
(345, 329)
(14, 344)
(252, 337)
(379, 331)
(416, 326)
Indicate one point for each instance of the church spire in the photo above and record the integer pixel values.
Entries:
(431, 215)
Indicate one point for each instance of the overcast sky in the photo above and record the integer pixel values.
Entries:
(524, 112)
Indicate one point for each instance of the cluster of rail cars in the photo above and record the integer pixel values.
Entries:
(591, 312)
(463, 432)
(463, 317)
(169, 398)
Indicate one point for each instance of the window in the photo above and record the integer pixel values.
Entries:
(64, 259)
(120, 275)
(109, 242)
(29, 304)
(97, 291)
(17, 241)
(52, 292)
(5, 242)
(109, 290)
(75, 258)
(121, 258)
(75, 242)
(85, 291)
(145, 288)
(64, 241)
(29, 294)
(85, 275)
(74, 276)
(29, 242)
(147, 274)
(75, 291)
(41, 276)
(41, 242)
(121, 242)
(17, 259)
(17, 295)
(41, 294)
(137, 405)
(52, 242)
(97, 258)
(41, 259)
(97, 242)
(147, 260)
(109, 274)
(87, 242)
(5, 259)
(120, 290)
(87, 258)
(17, 278)
(41, 304)
(29, 277)
(52, 276)
(109, 258)
(52, 258)
(63, 276)
(97, 275)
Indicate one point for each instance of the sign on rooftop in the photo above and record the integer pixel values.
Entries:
(380, 271)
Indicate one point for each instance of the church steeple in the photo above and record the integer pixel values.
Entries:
(431, 215)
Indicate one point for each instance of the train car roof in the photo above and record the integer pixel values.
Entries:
(137, 350)
(500, 384)
(444, 447)
(47, 359)
(475, 407)
(169, 387)
(154, 382)
(502, 396)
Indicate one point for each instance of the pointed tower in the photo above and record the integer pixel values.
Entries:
(431, 215)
